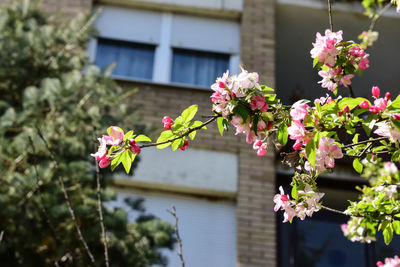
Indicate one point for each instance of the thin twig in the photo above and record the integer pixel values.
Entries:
(330, 15)
(100, 206)
(173, 213)
(351, 91)
(1, 235)
(67, 200)
(182, 135)
(366, 141)
(378, 15)
(365, 150)
(334, 210)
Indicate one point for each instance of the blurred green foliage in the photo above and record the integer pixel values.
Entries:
(47, 85)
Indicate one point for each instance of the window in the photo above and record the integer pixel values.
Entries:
(132, 59)
(169, 48)
(319, 241)
(196, 67)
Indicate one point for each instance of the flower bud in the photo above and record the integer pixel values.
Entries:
(376, 91)
(104, 162)
(396, 116)
(184, 145)
(132, 142)
(339, 112)
(364, 104)
(373, 109)
(166, 119)
(346, 109)
(388, 95)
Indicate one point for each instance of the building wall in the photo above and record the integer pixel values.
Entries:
(255, 220)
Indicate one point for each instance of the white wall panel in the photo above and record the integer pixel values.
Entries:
(207, 228)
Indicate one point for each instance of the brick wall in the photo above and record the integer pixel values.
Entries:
(255, 216)
(64, 7)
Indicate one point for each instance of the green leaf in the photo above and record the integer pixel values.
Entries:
(241, 111)
(369, 123)
(311, 152)
(220, 122)
(126, 160)
(282, 134)
(315, 62)
(165, 135)
(396, 156)
(192, 135)
(116, 161)
(355, 138)
(357, 165)
(388, 233)
(266, 88)
(142, 138)
(294, 189)
(128, 136)
(396, 226)
(189, 113)
(197, 124)
(395, 103)
(177, 143)
(351, 102)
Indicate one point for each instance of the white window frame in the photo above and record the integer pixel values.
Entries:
(108, 27)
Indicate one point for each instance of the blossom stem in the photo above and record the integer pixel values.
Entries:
(184, 134)
(334, 210)
(351, 91)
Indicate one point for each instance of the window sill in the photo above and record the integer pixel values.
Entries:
(150, 82)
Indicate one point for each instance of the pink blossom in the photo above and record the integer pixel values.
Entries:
(324, 47)
(388, 96)
(328, 80)
(356, 51)
(328, 151)
(262, 150)
(346, 80)
(102, 151)
(344, 228)
(289, 214)
(258, 102)
(298, 111)
(390, 167)
(104, 162)
(281, 200)
(323, 100)
(364, 62)
(387, 129)
(261, 125)
(116, 136)
(167, 122)
(296, 131)
(390, 262)
(297, 145)
(380, 104)
(246, 80)
(396, 116)
(364, 104)
(241, 127)
(133, 147)
(346, 109)
(376, 91)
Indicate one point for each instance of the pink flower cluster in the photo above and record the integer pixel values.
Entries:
(308, 204)
(243, 87)
(380, 104)
(390, 262)
(167, 122)
(355, 232)
(115, 138)
(296, 130)
(326, 154)
(326, 50)
(227, 88)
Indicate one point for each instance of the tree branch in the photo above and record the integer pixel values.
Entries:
(100, 207)
(334, 210)
(378, 15)
(366, 141)
(173, 213)
(351, 91)
(1, 235)
(330, 15)
(182, 135)
(67, 200)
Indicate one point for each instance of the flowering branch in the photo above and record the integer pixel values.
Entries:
(173, 213)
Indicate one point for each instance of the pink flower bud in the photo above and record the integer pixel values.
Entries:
(221, 84)
(346, 109)
(376, 91)
(297, 146)
(396, 116)
(104, 162)
(373, 109)
(132, 142)
(135, 149)
(166, 119)
(261, 152)
(379, 264)
(269, 125)
(167, 126)
(364, 104)
(184, 145)
(388, 95)
(339, 112)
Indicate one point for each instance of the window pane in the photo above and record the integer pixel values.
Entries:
(197, 68)
(132, 59)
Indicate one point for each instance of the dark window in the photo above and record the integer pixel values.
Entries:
(197, 68)
(132, 60)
